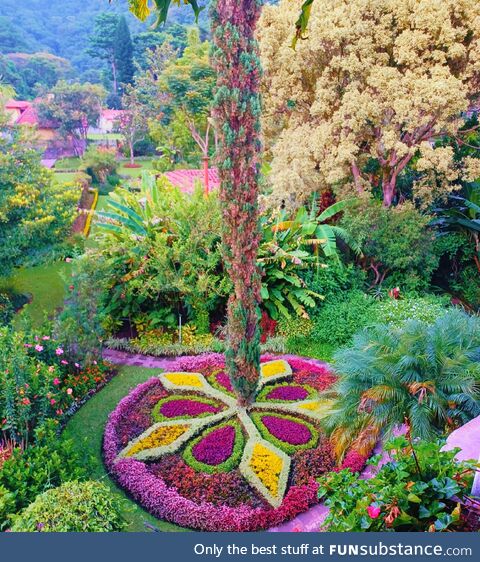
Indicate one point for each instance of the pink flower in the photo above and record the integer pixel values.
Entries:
(46, 338)
(53, 401)
(63, 362)
(39, 348)
(51, 369)
(373, 511)
(27, 345)
(59, 351)
(59, 412)
(68, 260)
(77, 365)
(56, 381)
(69, 391)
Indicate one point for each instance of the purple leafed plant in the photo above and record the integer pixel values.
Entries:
(223, 379)
(288, 393)
(292, 432)
(216, 447)
(186, 407)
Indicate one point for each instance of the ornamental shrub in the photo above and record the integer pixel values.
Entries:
(7, 506)
(47, 464)
(99, 163)
(39, 380)
(36, 211)
(418, 489)
(339, 319)
(397, 244)
(399, 311)
(74, 507)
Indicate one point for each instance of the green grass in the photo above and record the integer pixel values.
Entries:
(146, 164)
(65, 177)
(307, 347)
(86, 429)
(44, 283)
(68, 164)
(104, 136)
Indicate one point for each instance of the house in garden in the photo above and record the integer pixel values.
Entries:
(48, 140)
(109, 119)
(105, 132)
(186, 180)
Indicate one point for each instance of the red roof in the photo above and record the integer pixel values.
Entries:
(186, 179)
(14, 104)
(28, 117)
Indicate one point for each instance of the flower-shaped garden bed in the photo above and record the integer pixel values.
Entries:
(183, 447)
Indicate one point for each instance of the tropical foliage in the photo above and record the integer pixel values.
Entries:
(420, 488)
(426, 376)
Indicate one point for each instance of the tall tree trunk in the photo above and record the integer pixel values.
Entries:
(114, 75)
(389, 186)
(237, 110)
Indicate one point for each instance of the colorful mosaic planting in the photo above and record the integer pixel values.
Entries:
(197, 458)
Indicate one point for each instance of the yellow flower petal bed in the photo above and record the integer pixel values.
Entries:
(158, 438)
(309, 406)
(184, 379)
(272, 368)
(267, 466)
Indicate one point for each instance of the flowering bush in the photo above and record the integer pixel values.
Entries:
(214, 476)
(38, 381)
(421, 488)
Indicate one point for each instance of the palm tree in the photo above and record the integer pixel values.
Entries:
(237, 112)
(426, 376)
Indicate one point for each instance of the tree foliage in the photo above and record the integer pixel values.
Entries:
(367, 90)
(72, 108)
(35, 211)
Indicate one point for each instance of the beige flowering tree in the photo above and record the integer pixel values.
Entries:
(368, 89)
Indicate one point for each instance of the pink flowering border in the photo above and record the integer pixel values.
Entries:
(166, 503)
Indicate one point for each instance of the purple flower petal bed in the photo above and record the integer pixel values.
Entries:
(181, 446)
(286, 392)
(288, 433)
(175, 407)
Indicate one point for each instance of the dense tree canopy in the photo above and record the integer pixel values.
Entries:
(371, 86)
(72, 108)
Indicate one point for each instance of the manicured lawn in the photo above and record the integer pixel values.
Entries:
(65, 177)
(104, 136)
(86, 429)
(68, 164)
(46, 284)
(146, 164)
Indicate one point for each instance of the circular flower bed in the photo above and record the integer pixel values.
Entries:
(185, 450)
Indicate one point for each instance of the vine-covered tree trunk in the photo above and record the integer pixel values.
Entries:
(237, 110)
